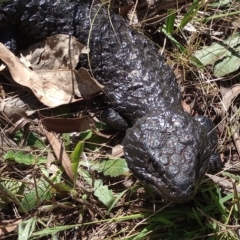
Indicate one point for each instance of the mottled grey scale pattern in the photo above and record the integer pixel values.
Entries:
(165, 147)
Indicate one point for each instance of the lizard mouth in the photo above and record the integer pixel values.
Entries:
(172, 190)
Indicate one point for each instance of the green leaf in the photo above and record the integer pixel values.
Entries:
(66, 140)
(104, 194)
(63, 187)
(224, 56)
(111, 167)
(51, 231)
(197, 217)
(75, 158)
(174, 41)
(86, 135)
(220, 3)
(26, 228)
(216, 16)
(22, 158)
(166, 221)
(170, 21)
(230, 175)
(100, 191)
(192, 11)
(41, 192)
(8, 191)
(101, 126)
(226, 65)
(33, 140)
(116, 200)
(95, 142)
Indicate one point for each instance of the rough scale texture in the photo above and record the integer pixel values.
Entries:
(165, 147)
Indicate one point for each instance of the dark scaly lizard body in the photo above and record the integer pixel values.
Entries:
(165, 147)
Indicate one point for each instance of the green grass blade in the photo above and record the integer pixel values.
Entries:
(26, 228)
(190, 14)
(75, 158)
(174, 41)
(170, 21)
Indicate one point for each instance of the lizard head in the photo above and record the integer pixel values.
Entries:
(169, 152)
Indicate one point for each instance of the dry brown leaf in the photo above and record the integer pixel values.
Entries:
(86, 84)
(52, 60)
(123, 11)
(67, 125)
(54, 81)
(50, 159)
(186, 106)
(60, 153)
(25, 77)
(62, 157)
(102, 134)
(7, 226)
(228, 95)
(117, 151)
(222, 182)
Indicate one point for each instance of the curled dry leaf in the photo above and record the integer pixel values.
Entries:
(228, 95)
(62, 156)
(60, 153)
(25, 77)
(56, 58)
(53, 79)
